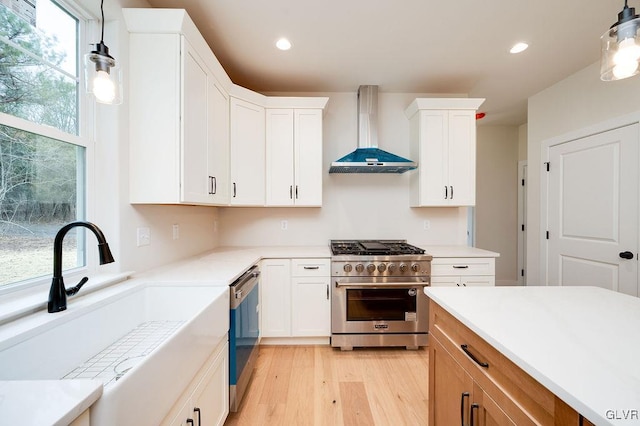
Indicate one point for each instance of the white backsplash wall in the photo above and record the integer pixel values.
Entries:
(366, 206)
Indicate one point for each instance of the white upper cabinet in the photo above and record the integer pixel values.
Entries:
(179, 113)
(218, 158)
(294, 156)
(247, 153)
(443, 139)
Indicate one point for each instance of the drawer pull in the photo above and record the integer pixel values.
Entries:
(460, 266)
(462, 397)
(197, 411)
(473, 357)
(311, 267)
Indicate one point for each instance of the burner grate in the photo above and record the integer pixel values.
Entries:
(373, 247)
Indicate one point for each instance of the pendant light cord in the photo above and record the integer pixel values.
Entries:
(102, 22)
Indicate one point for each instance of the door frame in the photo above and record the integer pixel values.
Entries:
(522, 222)
(545, 147)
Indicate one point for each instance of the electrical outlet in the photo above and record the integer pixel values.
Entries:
(426, 225)
(176, 231)
(284, 225)
(143, 236)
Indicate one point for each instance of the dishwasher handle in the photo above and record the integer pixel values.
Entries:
(241, 287)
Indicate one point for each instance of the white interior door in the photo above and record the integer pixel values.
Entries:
(593, 211)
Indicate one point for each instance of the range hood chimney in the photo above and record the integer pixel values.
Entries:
(368, 158)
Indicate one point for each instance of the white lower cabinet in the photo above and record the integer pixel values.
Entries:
(206, 400)
(463, 272)
(295, 298)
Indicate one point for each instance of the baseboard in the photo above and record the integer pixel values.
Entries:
(294, 341)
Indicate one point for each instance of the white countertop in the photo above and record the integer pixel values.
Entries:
(457, 251)
(46, 402)
(224, 264)
(582, 343)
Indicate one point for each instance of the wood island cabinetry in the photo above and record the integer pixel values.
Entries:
(471, 383)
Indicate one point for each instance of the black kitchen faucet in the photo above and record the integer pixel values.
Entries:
(58, 294)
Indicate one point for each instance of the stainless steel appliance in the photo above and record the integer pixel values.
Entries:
(243, 333)
(378, 294)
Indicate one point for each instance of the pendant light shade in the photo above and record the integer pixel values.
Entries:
(103, 78)
(621, 47)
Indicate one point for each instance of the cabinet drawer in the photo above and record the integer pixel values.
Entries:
(445, 266)
(521, 397)
(310, 268)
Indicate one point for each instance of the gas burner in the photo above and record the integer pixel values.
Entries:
(373, 248)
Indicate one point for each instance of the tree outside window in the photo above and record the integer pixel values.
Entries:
(42, 179)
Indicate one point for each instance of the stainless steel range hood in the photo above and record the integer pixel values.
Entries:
(368, 158)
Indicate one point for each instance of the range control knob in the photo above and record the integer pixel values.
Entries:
(391, 268)
(382, 267)
(348, 267)
(359, 267)
(403, 267)
(370, 268)
(415, 267)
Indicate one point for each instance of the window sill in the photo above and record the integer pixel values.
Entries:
(24, 302)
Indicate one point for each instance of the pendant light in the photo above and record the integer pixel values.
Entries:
(102, 75)
(621, 47)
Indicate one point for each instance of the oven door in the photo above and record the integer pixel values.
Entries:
(379, 305)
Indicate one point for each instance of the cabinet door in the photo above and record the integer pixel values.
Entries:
(210, 399)
(194, 146)
(450, 388)
(279, 155)
(462, 158)
(308, 157)
(275, 298)
(486, 412)
(448, 281)
(434, 157)
(311, 306)
(247, 153)
(218, 161)
(478, 281)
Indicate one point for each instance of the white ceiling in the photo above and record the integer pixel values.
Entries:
(415, 46)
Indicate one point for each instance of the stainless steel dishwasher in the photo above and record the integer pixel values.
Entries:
(243, 333)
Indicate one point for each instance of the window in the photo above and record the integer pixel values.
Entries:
(42, 151)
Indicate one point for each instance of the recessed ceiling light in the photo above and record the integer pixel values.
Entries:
(519, 47)
(283, 44)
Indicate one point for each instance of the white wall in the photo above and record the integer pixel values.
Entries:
(354, 205)
(109, 191)
(579, 101)
(496, 212)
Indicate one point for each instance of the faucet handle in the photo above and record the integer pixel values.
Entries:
(73, 290)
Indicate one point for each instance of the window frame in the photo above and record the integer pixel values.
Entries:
(88, 28)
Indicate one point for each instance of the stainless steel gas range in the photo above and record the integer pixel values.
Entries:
(377, 296)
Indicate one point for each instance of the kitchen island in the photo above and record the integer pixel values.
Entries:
(532, 354)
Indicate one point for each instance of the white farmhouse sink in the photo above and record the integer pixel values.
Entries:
(151, 340)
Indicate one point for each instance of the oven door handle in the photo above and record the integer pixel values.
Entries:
(385, 284)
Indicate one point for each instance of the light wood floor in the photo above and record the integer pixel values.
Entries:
(318, 385)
